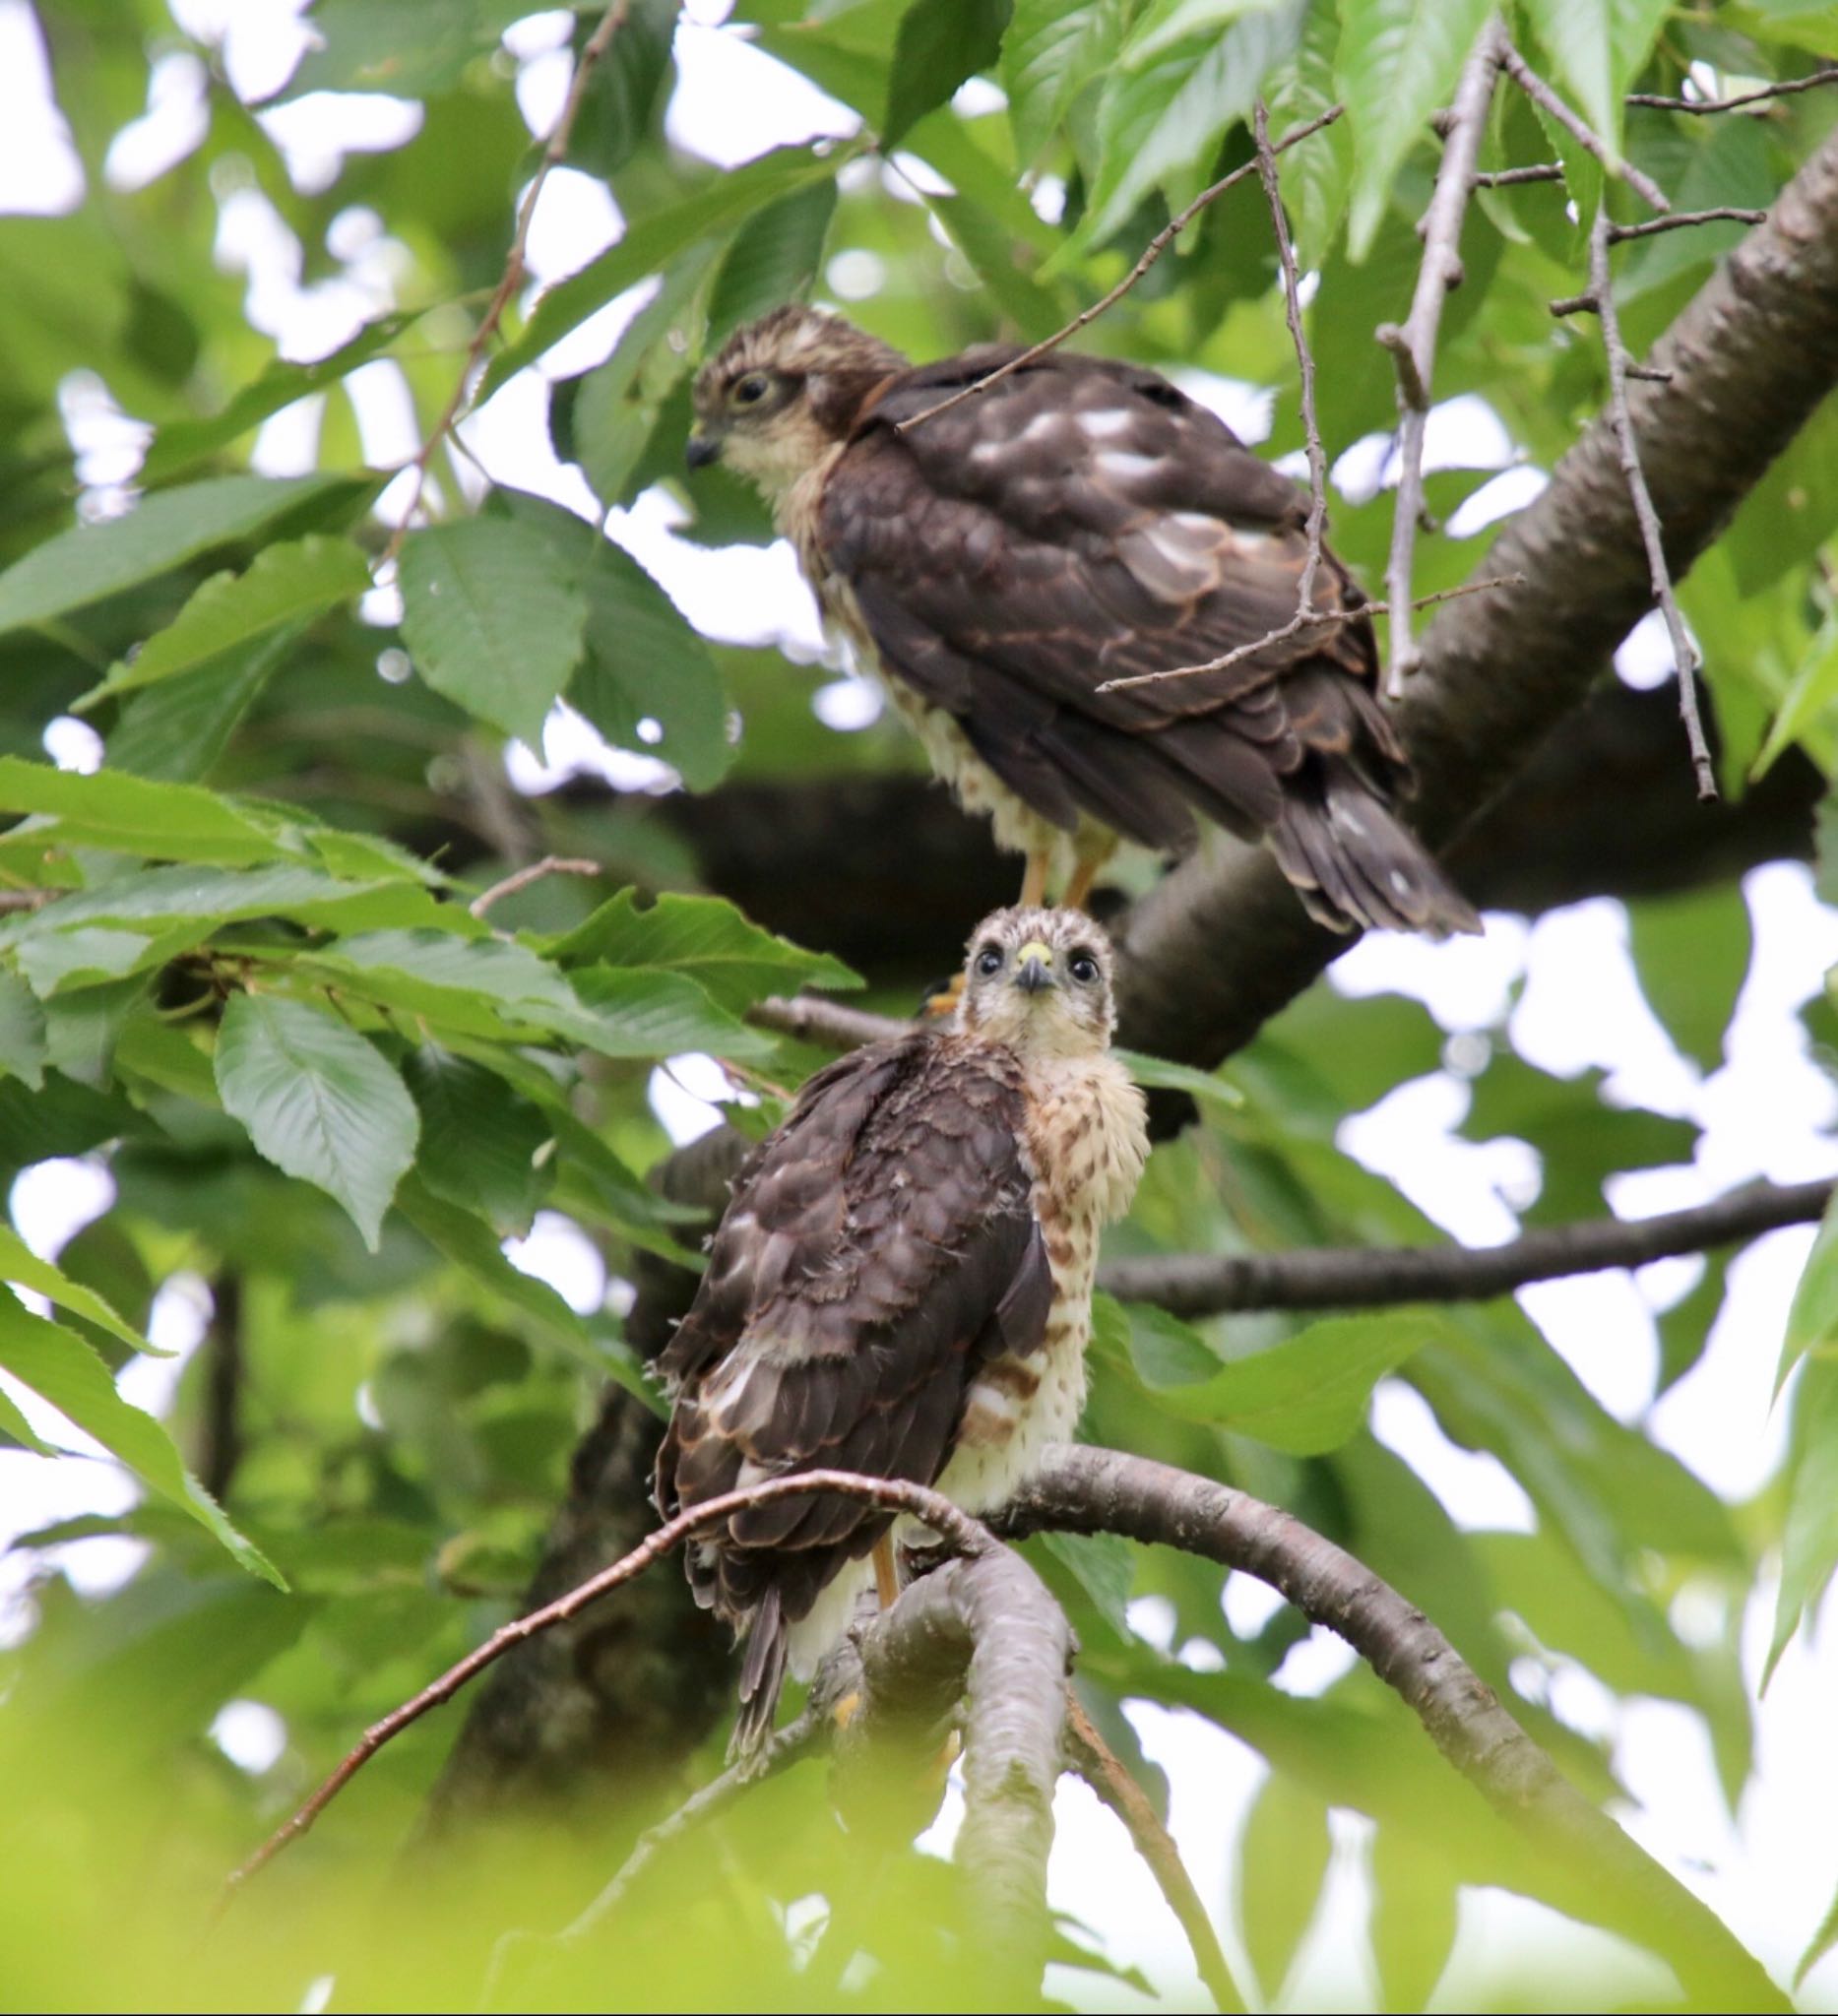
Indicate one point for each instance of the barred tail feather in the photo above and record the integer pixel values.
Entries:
(1354, 862)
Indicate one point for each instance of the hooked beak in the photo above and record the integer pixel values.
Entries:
(703, 449)
(1035, 971)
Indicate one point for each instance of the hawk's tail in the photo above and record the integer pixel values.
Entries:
(762, 1676)
(1354, 862)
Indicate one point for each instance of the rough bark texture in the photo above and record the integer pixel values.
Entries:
(1613, 1880)
(1220, 944)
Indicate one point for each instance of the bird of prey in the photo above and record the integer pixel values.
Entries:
(901, 1286)
(1078, 521)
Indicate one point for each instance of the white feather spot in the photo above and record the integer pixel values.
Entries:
(1124, 464)
(1107, 424)
(1038, 428)
(1399, 881)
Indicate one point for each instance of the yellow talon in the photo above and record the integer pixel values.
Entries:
(847, 1708)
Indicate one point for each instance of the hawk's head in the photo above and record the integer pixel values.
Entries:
(782, 392)
(1037, 981)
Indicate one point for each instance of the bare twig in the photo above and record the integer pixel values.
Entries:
(926, 1505)
(1603, 1875)
(1153, 251)
(23, 902)
(1374, 1277)
(1747, 98)
(1305, 361)
(1540, 93)
(550, 865)
(1681, 218)
(1298, 621)
(556, 147)
(1685, 653)
(1103, 1770)
(1572, 304)
(1414, 346)
(1512, 178)
(813, 1020)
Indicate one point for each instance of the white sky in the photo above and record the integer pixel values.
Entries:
(1567, 982)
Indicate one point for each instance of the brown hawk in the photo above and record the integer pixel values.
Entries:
(901, 1285)
(1082, 519)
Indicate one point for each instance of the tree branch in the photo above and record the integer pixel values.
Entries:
(815, 1020)
(1375, 1276)
(1414, 346)
(1747, 98)
(1540, 93)
(1221, 943)
(1607, 1877)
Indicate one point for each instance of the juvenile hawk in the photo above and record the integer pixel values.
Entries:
(902, 1287)
(1080, 521)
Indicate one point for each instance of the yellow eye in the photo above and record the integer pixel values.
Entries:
(751, 389)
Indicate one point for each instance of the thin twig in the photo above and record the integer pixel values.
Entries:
(1572, 304)
(512, 277)
(930, 1507)
(1685, 653)
(1300, 622)
(1380, 1276)
(1414, 346)
(1747, 98)
(1305, 362)
(1153, 251)
(550, 865)
(832, 1024)
(1540, 93)
(1511, 178)
(23, 902)
(1681, 218)
(1103, 1770)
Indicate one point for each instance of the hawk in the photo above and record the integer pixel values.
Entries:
(901, 1285)
(1081, 520)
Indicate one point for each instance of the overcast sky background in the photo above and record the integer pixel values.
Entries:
(1574, 1004)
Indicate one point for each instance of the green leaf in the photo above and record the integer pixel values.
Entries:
(1414, 1900)
(1820, 1943)
(1810, 700)
(284, 586)
(1812, 1318)
(1052, 50)
(1575, 38)
(479, 1141)
(1317, 176)
(1282, 1859)
(22, 1266)
(997, 262)
(616, 109)
(1165, 1351)
(492, 620)
(1207, 1087)
(1809, 1540)
(161, 532)
(650, 244)
(1164, 23)
(22, 1032)
(657, 1014)
(1691, 954)
(183, 443)
(1310, 1393)
(1104, 1568)
(60, 1367)
(135, 816)
(940, 43)
(1160, 124)
(177, 731)
(704, 937)
(1398, 63)
(775, 257)
(14, 1428)
(410, 48)
(319, 1101)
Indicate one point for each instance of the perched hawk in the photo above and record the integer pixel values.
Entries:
(1080, 521)
(902, 1287)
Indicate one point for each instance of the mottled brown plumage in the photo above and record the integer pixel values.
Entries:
(901, 1285)
(1080, 521)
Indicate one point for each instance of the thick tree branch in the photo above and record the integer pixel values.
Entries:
(1221, 943)
(1607, 1877)
(1373, 1276)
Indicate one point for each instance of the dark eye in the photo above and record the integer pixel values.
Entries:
(751, 389)
(1083, 967)
(989, 960)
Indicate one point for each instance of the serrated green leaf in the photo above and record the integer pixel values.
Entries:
(1281, 1861)
(1810, 698)
(160, 532)
(776, 256)
(940, 43)
(480, 1143)
(1809, 1538)
(492, 618)
(1052, 50)
(1165, 22)
(284, 586)
(167, 821)
(60, 1367)
(20, 1265)
(22, 1032)
(14, 1428)
(1813, 1317)
(704, 937)
(1398, 63)
(657, 1014)
(650, 244)
(319, 1101)
(621, 94)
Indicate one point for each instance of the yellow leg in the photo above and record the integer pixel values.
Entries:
(1085, 871)
(886, 1571)
(1034, 881)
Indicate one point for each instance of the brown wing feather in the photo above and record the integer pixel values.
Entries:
(877, 1248)
(1081, 521)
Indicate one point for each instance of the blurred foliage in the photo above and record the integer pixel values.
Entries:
(240, 971)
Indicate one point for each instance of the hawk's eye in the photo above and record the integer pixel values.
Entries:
(1083, 967)
(751, 389)
(989, 960)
